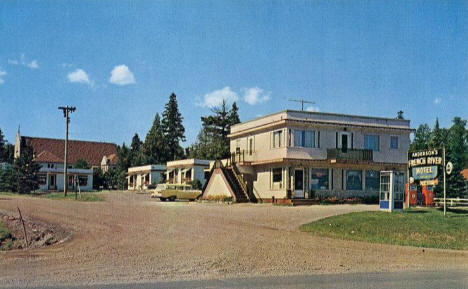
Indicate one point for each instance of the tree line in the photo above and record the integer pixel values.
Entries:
(455, 141)
(163, 142)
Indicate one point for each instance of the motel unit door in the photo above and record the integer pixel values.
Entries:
(299, 183)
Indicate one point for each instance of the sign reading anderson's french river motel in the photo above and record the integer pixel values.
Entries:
(424, 165)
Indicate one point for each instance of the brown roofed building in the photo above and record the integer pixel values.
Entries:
(50, 154)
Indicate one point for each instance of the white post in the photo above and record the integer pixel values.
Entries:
(445, 189)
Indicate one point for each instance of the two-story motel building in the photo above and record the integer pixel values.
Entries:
(301, 154)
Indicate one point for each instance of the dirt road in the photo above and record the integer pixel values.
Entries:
(131, 238)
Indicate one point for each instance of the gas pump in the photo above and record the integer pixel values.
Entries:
(428, 195)
(412, 190)
(392, 190)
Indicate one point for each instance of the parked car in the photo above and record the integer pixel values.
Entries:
(172, 192)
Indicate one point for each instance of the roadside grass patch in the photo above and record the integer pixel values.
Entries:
(85, 197)
(5, 238)
(425, 227)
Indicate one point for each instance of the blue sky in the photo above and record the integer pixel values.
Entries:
(118, 61)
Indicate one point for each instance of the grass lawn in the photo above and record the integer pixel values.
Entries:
(85, 197)
(4, 234)
(414, 227)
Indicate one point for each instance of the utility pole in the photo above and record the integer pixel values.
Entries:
(66, 111)
(302, 101)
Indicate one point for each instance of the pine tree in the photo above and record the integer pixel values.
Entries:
(24, 172)
(455, 153)
(436, 141)
(136, 152)
(123, 158)
(155, 144)
(3, 149)
(174, 131)
(421, 138)
(212, 141)
(6, 180)
(234, 115)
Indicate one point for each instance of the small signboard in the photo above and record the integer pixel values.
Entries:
(424, 165)
(429, 182)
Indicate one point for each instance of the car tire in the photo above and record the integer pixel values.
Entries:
(172, 199)
(162, 199)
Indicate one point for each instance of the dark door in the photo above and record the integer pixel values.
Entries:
(299, 183)
(344, 143)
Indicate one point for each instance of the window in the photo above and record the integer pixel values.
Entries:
(277, 135)
(384, 187)
(298, 138)
(250, 146)
(83, 180)
(42, 179)
(372, 180)
(319, 179)
(371, 142)
(277, 175)
(394, 142)
(353, 180)
(304, 138)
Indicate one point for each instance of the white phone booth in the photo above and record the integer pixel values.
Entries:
(392, 191)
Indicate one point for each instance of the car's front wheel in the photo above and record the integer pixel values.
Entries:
(162, 199)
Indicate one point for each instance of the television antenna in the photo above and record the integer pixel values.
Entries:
(302, 101)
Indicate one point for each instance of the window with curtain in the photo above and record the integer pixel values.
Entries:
(371, 142)
(277, 139)
(277, 175)
(372, 180)
(298, 138)
(354, 180)
(319, 179)
(394, 142)
(304, 138)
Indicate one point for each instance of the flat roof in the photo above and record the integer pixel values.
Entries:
(147, 168)
(320, 113)
(320, 118)
(188, 162)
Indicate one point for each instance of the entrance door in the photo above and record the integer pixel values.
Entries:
(299, 183)
(344, 143)
(52, 182)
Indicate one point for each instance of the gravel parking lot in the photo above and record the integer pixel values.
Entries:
(132, 238)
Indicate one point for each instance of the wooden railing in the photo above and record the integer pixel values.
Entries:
(241, 156)
(350, 155)
(451, 202)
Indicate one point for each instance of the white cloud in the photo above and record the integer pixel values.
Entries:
(313, 108)
(437, 100)
(78, 76)
(121, 75)
(215, 98)
(2, 73)
(22, 61)
(255, 95)
(33, 64)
